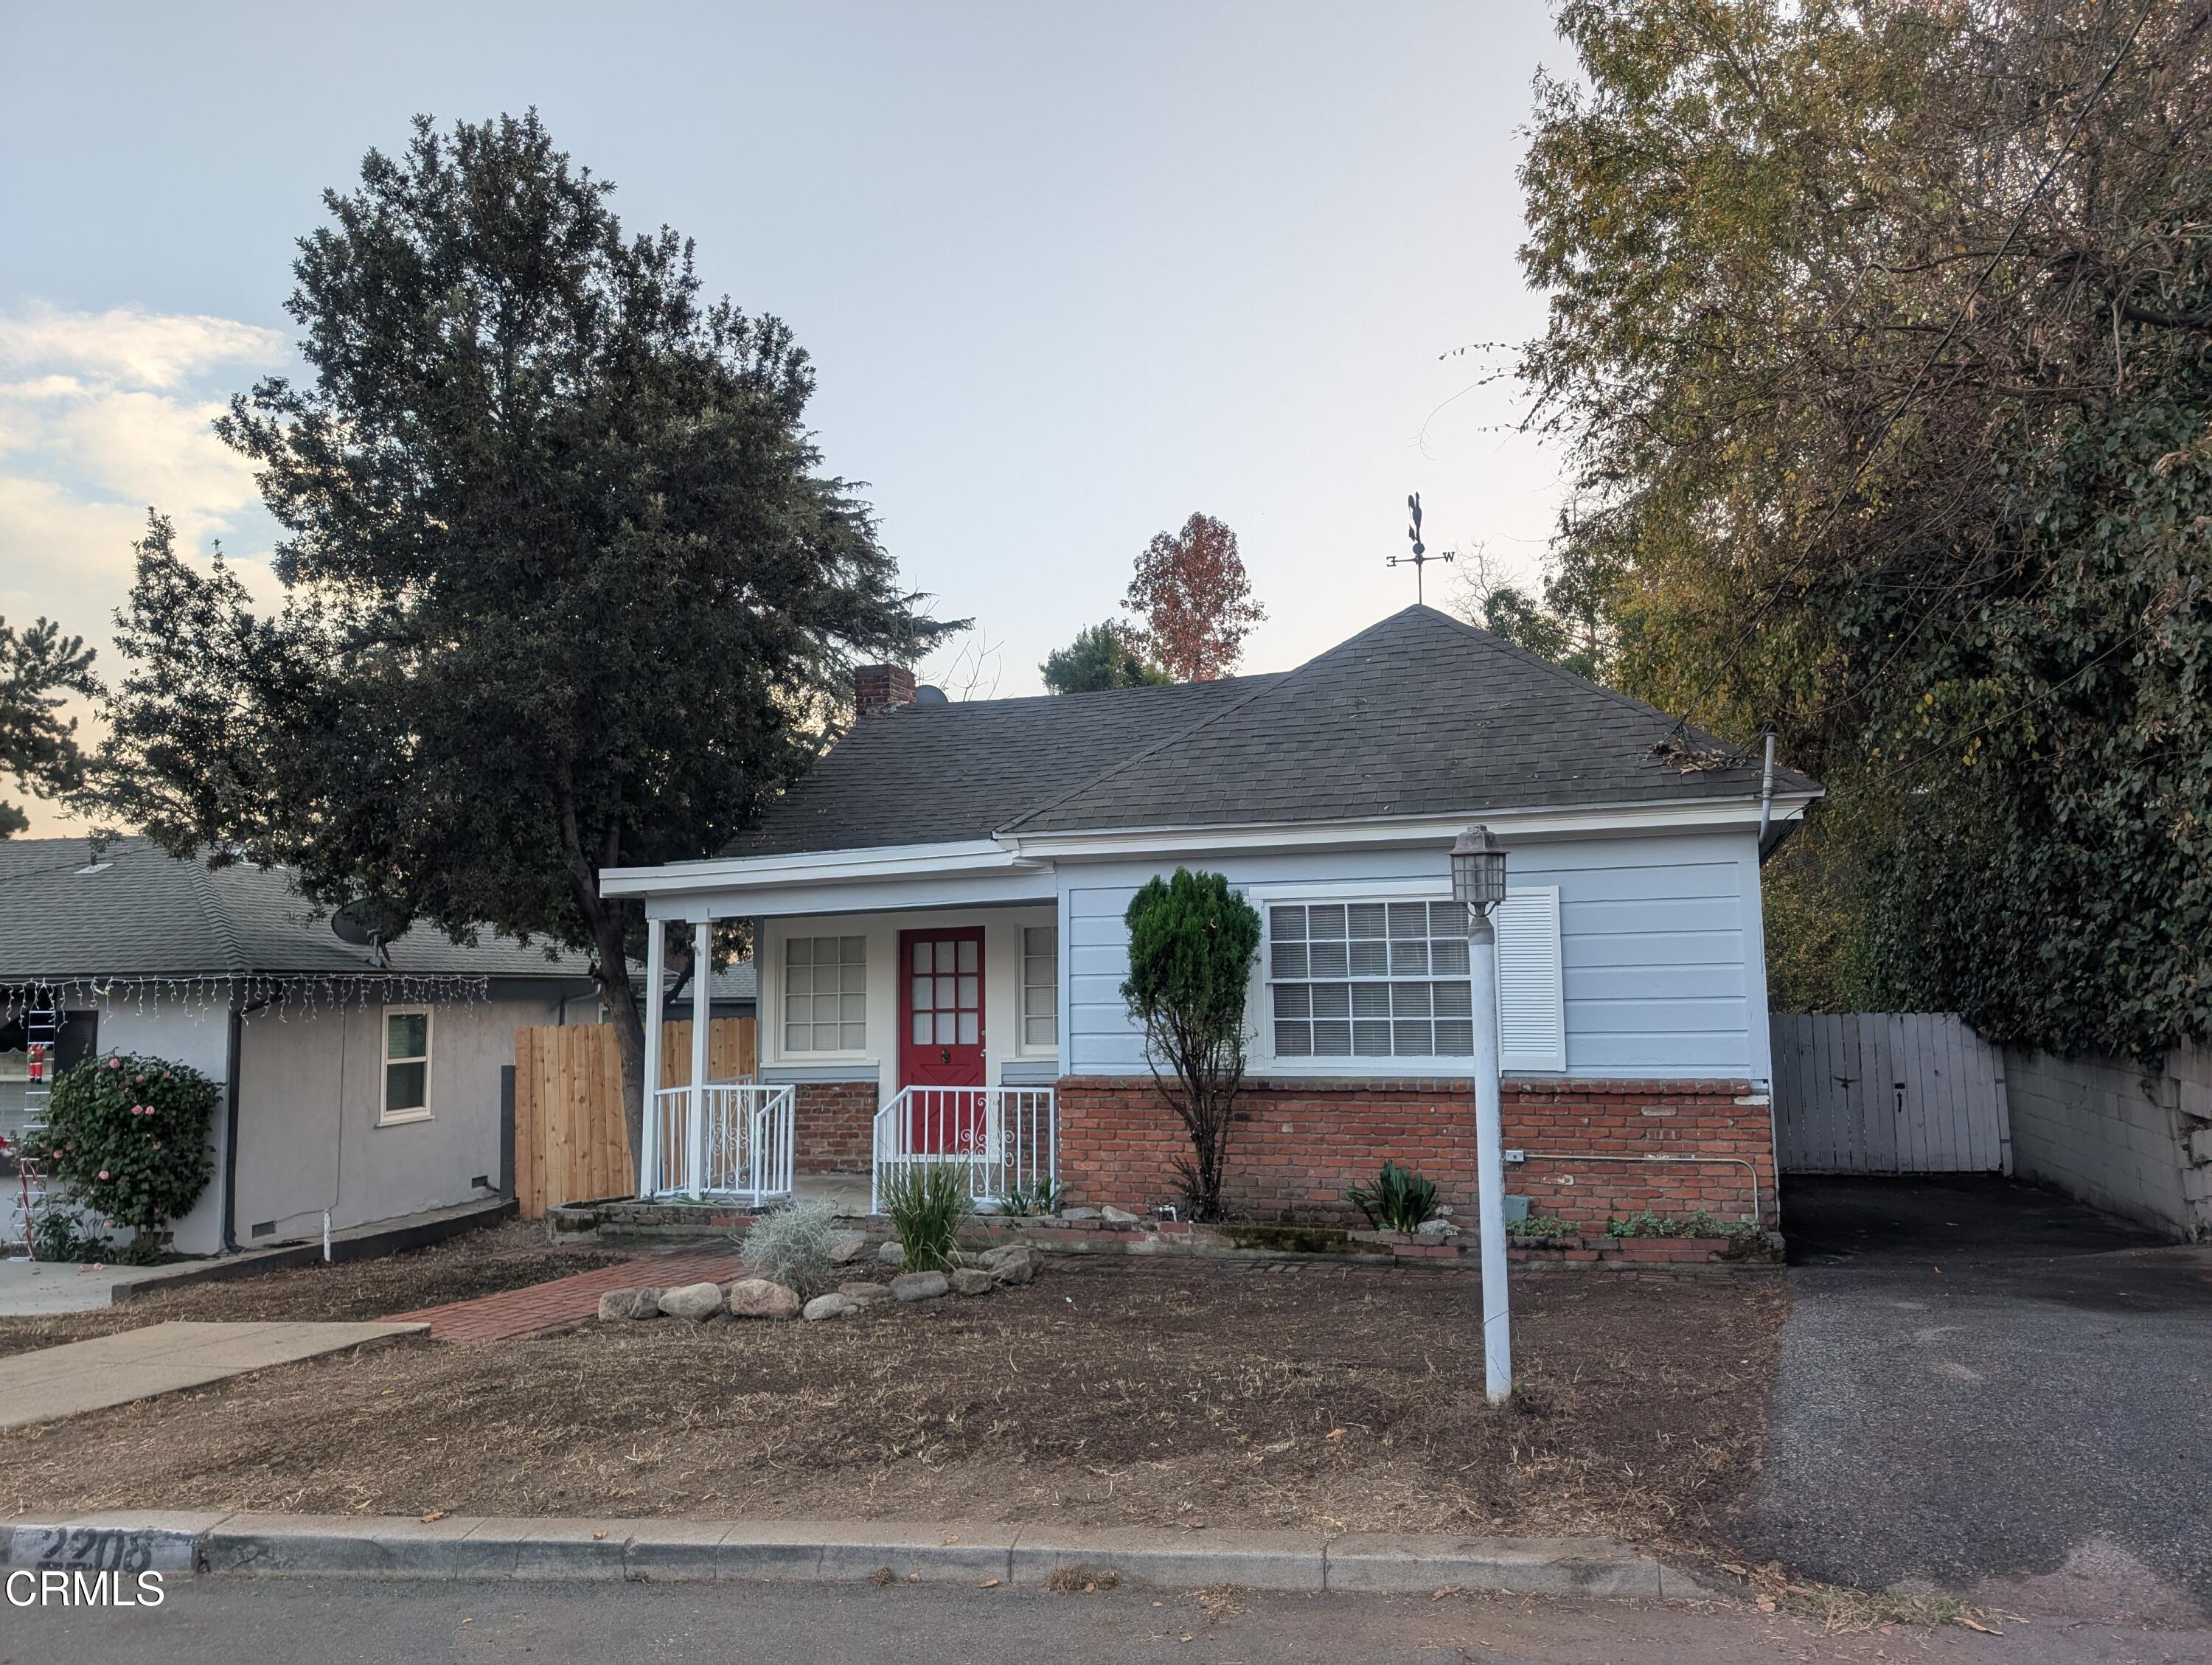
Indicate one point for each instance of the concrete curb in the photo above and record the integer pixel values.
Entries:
(832, 1552)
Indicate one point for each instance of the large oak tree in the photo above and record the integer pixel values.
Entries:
(565, 587)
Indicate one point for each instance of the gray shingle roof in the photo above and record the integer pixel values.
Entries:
(938, 774)
(146, 914)
(1419, 714)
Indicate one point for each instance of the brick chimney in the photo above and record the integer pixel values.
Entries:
(880, 688)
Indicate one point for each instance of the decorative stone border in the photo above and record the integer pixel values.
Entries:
(1089, 1232)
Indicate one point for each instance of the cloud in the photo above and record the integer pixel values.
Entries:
(102, 415)
(132, 347)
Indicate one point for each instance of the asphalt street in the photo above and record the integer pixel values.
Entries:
(1987, 1388)
(219, 1621)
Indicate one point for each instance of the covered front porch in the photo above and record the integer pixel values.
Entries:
(904, 1021)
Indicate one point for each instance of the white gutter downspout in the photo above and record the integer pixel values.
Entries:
(1767, 791)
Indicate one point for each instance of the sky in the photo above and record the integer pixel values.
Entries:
(1067, 273)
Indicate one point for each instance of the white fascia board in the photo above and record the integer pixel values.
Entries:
(1002, 887)
(819, 868)
(1710, 815)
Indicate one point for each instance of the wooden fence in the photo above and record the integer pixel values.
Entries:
(571, 1142)
(1887, 1092)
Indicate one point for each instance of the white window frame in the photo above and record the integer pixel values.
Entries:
(1024, 1047)
(385, 1115)
(784, 1051)
(1261, 1000)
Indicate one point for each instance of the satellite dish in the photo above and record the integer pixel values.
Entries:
(927, 695)
(371, 922)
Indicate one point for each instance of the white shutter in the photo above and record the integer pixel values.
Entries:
(1532, 1017)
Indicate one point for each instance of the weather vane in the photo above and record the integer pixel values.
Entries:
(1421, 557)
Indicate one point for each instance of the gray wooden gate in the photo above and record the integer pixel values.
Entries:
(1877, 1092)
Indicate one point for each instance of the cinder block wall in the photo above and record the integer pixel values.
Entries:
(2132, 1139)
(1297, 1144)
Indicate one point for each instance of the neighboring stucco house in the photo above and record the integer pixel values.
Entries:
(368, 1092)
(938, 913)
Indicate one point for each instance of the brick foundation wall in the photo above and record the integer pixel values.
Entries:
(1297, 1144)
(833, 1124)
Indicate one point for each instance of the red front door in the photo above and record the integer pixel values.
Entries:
(941, 1038)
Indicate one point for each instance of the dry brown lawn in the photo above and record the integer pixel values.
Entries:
(507, 1256)
(1177, 1393)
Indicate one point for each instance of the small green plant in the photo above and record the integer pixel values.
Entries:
(1543, 1227)
(927, 1201)
(1039, 1197)
(57, 1233)
(1699, 1223)
(791, 1246)
(127, 1138)
(1398, 1201)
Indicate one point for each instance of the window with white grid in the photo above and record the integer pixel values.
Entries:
(825, 994)
(1370, 980)
(1040, 988)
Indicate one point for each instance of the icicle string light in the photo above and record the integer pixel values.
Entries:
(253, 993)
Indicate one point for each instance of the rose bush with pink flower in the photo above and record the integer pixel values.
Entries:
(127, 1138)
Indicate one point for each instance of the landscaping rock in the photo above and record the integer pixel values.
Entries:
(1441, 1229)
(971, 1281)
(1077, 1216)
(919, 1285)
(1011, 1274)
(616, 1303)
(646, 1305)
(866, 1294)
(1119, 1216)
(846, 1247)
(756, 1298)
(892, 1253)
(691, 1301)
(828, 1306)
(1027, 1257)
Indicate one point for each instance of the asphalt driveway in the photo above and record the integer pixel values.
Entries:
(1989, 1388)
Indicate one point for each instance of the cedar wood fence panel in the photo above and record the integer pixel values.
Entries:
(571, 1142)
(1887, 1092)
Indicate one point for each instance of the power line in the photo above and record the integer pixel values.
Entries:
(1912, 390)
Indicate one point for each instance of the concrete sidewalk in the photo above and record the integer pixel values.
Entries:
(836, 1551)
(115, 1369)
(39, 1289)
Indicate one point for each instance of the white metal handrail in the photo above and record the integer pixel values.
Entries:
(720, 1139)
(1003, 1138)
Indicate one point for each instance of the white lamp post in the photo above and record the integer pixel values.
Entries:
(1478, 872)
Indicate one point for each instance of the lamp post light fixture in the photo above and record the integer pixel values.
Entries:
(1478, 870)
(1477, 875)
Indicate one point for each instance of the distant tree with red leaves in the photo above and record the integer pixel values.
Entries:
(1195, 600)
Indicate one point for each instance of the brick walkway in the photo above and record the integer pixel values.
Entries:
(565, 1301)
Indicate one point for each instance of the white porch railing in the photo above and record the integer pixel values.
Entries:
(1005, 1138)
(724, 1139)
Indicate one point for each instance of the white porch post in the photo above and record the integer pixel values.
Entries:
(656, 956)
(702, 1014)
